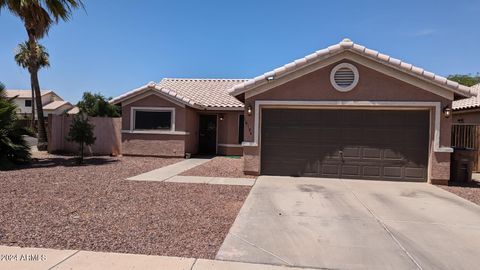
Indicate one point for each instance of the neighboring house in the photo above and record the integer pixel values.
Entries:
(467, 110)
(52, 103)
(342, 112)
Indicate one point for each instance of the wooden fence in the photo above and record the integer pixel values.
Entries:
(107, 132)
(467, 136)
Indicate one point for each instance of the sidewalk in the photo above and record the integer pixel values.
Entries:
(167, 172)
(45, 259)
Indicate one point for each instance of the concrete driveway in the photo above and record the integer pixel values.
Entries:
(354, 224)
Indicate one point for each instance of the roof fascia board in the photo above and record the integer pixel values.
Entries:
(148, 92)
(290, 76)
(360, 59)
(472, 109)
(224, 109)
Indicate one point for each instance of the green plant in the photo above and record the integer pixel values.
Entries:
(23, 55)
(37, 17)
(13, 147)
(96, 105)
(81, 132)
(467, 80)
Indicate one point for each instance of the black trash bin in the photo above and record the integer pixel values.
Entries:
(462, 165)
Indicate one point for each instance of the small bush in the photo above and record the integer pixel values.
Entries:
(81, 132)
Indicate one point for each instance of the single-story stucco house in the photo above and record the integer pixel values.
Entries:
(342, 112)
(467, 110)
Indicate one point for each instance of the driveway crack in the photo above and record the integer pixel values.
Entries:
(384, 226)
(262, 249)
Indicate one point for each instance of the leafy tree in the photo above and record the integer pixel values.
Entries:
(96, 105)
(38, 16)
(23, 56)
(81, 132)
(13, 147)
(467, 80)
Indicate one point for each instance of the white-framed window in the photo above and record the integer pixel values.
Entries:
(152, 119)
(344, 77)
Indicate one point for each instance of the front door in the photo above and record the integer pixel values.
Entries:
(208, 134)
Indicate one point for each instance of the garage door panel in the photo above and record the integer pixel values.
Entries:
(330, 170)
(417, 173)
(372, 153)
(372, 171)
(389, 145)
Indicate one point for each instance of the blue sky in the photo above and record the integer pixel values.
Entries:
(113, 48)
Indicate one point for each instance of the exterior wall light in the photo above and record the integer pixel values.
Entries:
(447, 111)
(270, 78)
(249, 110)
(220, 116)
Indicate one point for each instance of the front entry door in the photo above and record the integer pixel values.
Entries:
(208, 134)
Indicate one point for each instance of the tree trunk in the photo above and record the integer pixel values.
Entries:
(42, 132)
(33, 69)
(32, 124)
(81, 152)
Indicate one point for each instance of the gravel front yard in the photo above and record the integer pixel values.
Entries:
(220, 167)
(470, 191)
(55, 204)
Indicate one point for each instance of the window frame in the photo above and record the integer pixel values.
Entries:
(134, 110)
(25, 103)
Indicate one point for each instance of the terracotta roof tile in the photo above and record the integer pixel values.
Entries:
(199, 93)
(23, 93)
(347, 45)
(468, 103)
(55, 105)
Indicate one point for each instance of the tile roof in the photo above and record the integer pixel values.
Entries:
(198, 93)
(24, 93)
(468, 103)
(73, 110)
(55, 105)
(348, 45)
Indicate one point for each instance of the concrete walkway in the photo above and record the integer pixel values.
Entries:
(169, 171)
(50, 259)
(212, 180)
(354, 224)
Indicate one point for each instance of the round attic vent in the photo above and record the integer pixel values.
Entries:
(344, 77)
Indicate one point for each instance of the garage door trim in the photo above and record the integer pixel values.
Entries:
(391, 105)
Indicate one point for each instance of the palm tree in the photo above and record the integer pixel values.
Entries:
(37, 17)
(13, 147)
(22, 57)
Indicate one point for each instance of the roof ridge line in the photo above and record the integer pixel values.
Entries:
(348, 45)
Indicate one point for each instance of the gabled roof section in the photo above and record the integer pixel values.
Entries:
(55, 105)
(348, 45)
(468, 103)
(196, 93)
(24, 93)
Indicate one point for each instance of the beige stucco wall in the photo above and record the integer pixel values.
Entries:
(186, 120)
(191, 126)
(372, 86)
(228, 128)
(154, 144)
(467, 117)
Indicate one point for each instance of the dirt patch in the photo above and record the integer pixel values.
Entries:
(54, 204)
(220, 167)
(469, 191)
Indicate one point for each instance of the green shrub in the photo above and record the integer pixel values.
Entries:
(81, 132)
(13, 147)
